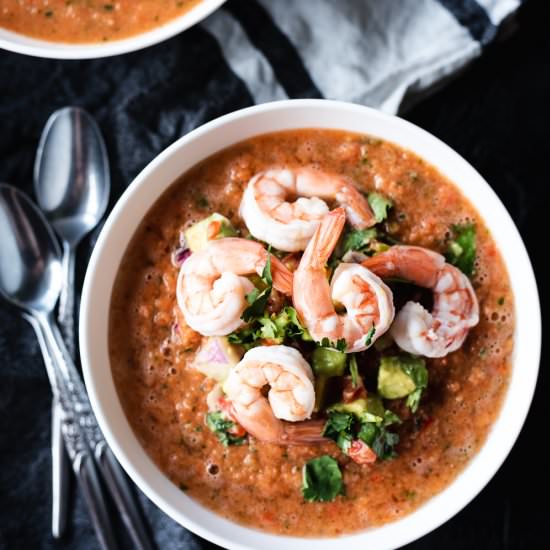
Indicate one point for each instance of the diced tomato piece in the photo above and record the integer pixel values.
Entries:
(361, 453)
(214, 227)
(227, 408)
(350, 392)
(237, 430)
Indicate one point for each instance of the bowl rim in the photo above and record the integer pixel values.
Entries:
(480, 468)
(36, 47)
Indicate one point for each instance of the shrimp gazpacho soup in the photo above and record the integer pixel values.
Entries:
(81, 21)
(311, 332)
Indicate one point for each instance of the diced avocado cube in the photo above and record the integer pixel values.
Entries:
(370, 409)
(215, 226)
(393, 381)
(375, 405)
(328, 362)
(357, 407)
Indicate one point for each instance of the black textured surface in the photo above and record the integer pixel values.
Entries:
(496, 115)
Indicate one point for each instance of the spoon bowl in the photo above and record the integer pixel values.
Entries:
(71, 175)
(30, 257)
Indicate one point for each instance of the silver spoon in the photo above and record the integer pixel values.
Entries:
(72, 185)
(30, 280)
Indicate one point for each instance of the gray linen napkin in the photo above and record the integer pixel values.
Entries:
(381, 53)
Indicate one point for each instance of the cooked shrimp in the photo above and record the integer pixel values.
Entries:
(211, 290)
(455, 308)
(287, 225)
(290, 397)
(366, 298)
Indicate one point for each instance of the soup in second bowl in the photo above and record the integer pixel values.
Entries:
(81, 21)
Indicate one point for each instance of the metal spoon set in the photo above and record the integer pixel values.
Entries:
(72, 186)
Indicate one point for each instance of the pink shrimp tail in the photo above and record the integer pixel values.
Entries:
(282, 276)
(324, 240)
(413, 263)
(306, 432)
(360, 214)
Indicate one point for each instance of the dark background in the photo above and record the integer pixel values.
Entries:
(496, 114)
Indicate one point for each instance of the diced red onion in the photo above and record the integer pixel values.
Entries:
(179, 256)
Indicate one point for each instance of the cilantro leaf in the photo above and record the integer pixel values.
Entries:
(322, 479)
(221, 427)
(417, 371)
(359, 239)
(370, 336)
(288, 323)
(380, 206)
(354, 370)
(337, 422)
(339, 428)
(258, 299)
(461, 251)
(339, 345)
(381, 441)
(384, 443)
(246, 337)
(413, 399)
(258, 303)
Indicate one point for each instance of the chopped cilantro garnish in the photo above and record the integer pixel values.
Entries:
(275, 327)
(380, 206)
(258, 299)
(354, 421)
(360, 239)
(380, 440)
(370, 336)
(221, 427)
(339, 345)
(461, 251)
(322, 479)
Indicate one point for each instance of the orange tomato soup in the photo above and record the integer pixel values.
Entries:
(81, 21)
(259, 484)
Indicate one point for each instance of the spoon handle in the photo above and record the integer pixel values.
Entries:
(113, 475)
(60, 475)
(60, 469)
(123, 496)
(65, 315)
(74, 434)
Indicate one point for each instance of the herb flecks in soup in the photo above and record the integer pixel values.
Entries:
(88, 20)
(311, 332)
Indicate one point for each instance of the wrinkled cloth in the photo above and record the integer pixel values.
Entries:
(385, 54)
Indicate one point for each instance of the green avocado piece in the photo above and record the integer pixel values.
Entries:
(393, 381)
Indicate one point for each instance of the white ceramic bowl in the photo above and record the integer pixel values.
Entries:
(221, 133)
(27, 45)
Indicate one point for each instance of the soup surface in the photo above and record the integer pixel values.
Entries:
(259, 484)
(88, 20)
